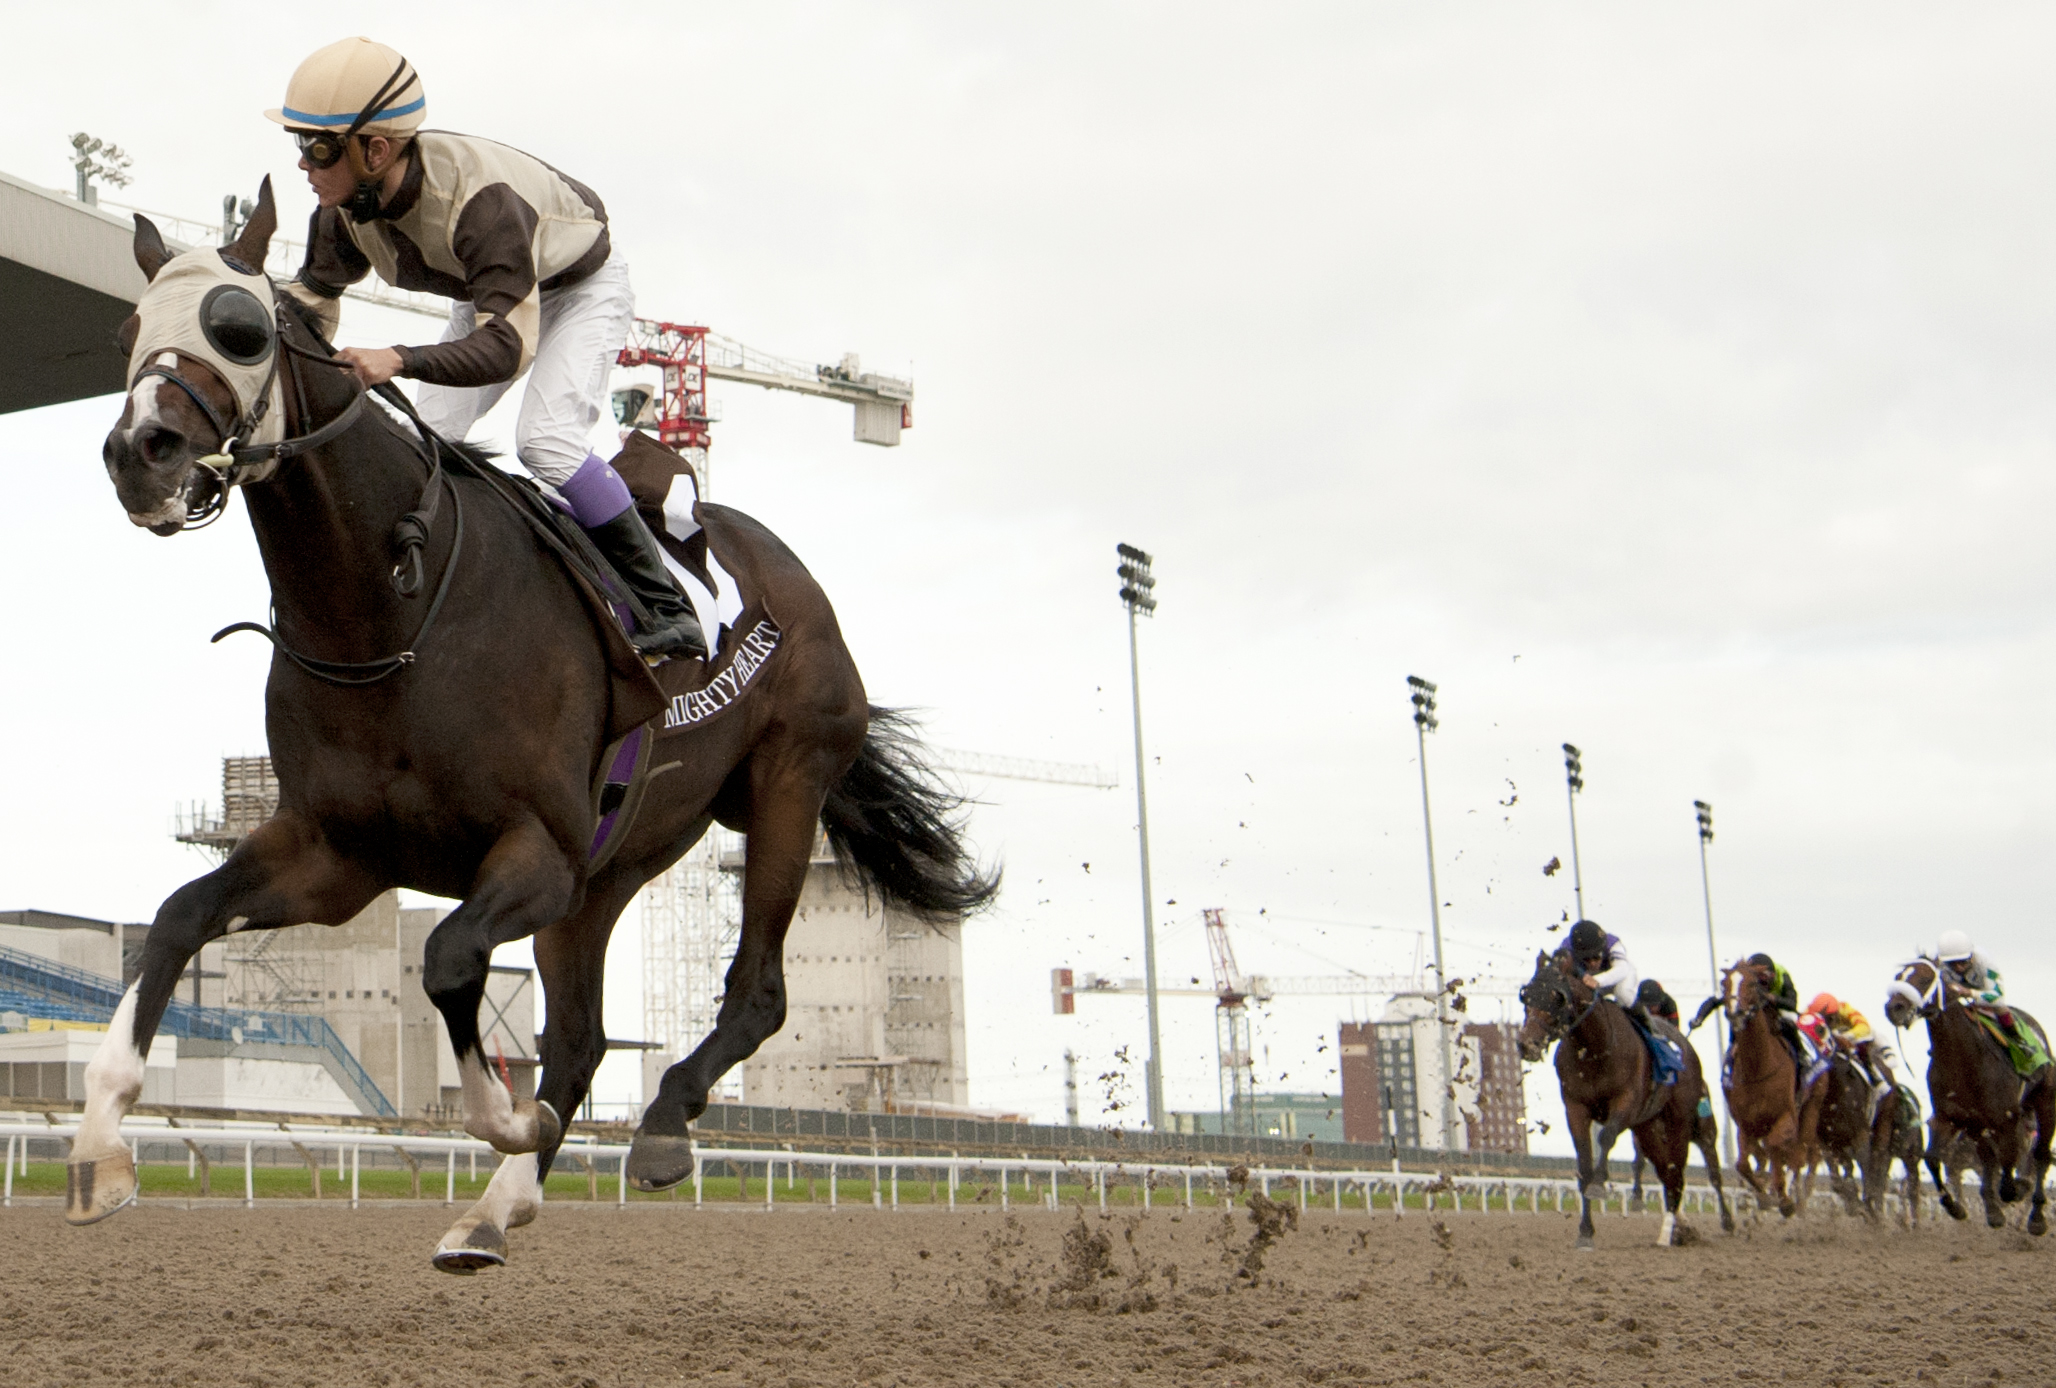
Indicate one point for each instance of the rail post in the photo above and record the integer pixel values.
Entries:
(831, 1188)
(952, 1182)
(621, 1182)
(194, 1154)
(877, 1195)
(356, 1162)
(1146, 1184)
(895, 1185)
(770, 1185)
(450, 1183)
(1188, 1187)
(1099, 1176)
(1338, 1194)
(1003, 1188)
(8, 1197)
(699, 1171)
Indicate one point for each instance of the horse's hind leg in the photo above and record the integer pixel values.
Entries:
(525, 883)
(2037, 1223)
(785, 814)
(281, 875)
(570, 957)
(1708, 1139)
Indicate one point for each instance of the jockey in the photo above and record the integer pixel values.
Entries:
(1784, 995)
(1603, 964)
(1850, 1031)
(525, 253)
(1656, 1002)
(1971, 977)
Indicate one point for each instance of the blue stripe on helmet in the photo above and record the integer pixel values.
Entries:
(308, 118)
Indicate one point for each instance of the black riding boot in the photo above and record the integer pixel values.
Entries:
(632, 550)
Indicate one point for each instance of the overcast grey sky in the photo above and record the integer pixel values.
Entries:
(1669, 382)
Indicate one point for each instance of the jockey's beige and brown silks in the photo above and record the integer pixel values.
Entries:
(170, 321)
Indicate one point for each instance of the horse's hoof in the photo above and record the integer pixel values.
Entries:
(2010, 1190)
(1787, 1208)
(658, 1163)
(1595, 1190)
(483, 1246)
(1995, 1219)
(96, 1189)
(1634, 1204)
(1956, 1211)
(1584, 1243)
(1727, 1222)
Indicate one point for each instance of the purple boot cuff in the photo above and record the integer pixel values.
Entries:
(596, 492)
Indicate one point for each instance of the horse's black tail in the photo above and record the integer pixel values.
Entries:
(894, 826)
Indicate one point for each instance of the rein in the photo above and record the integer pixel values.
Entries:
(231, 465)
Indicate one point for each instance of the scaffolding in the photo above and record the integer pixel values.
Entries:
(691, 917)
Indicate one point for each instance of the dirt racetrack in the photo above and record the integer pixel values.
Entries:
(298, 1294)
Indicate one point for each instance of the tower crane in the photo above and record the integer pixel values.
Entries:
(1234, 990)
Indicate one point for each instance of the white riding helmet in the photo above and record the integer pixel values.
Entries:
(1954, 947)
(356, 85)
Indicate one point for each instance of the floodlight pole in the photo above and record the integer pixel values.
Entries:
(1138, 586)
(1424, 723)
(1574, 781)
(1720, 1021)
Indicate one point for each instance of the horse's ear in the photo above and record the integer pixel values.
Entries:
(150, 250)
(255, 243)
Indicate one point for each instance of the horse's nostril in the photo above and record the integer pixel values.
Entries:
(157, 444)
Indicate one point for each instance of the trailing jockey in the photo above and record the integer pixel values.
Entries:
(1850, 1031)
(525, 253)
(1972, 978)
(1602, 964)
(1656, 1002)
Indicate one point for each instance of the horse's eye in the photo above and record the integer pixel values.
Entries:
(236, 324)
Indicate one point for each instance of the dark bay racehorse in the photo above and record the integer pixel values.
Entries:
(469, 770)
(1774, 1126)
(1843, 1135)
(1975, 1092)
(1606, 1075)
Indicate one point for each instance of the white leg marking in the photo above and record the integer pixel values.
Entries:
(114, 1080)
(1670, 1227)
(491, 1113)
(512, 1198)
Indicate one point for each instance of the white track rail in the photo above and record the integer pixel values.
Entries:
(1030, 1180)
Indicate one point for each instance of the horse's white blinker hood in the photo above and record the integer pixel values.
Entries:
(202, 306)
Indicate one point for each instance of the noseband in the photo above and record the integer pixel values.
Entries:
(233, 464)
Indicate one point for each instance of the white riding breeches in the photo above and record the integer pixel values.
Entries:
(583, 327)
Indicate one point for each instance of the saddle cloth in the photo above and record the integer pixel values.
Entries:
(2026, 1049)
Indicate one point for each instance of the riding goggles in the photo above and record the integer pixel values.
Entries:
(322, 149)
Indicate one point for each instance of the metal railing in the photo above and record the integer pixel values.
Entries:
(1024, 1180)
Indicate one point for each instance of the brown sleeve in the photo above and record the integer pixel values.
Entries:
(494, 240)
(333, 261)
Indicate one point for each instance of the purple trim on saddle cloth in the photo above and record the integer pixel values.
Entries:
(617, 775)
(596, 492)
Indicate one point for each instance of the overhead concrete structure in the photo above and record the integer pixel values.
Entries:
(68, 278)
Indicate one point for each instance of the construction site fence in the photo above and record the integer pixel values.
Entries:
(1021, 1181)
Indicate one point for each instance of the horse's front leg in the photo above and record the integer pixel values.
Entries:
(1579, 1117)
(283, 874)
(526, 882)
(570, 958)
(1939, 1138)
(1618, 1111)
(2037, 1222)
(1994, 1181)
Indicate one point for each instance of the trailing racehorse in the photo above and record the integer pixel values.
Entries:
(438, 705)
(1607, 1076)
(1843, 1135)
(1974, 1091)
(1774, 1124)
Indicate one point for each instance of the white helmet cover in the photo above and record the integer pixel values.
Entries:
(1954, 947)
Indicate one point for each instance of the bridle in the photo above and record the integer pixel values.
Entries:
(236, 464)
(1739, 1019)
(233, 464)
(1926, 1001)
(1549, 993)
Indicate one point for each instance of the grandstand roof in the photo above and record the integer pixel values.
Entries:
(68, 278)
